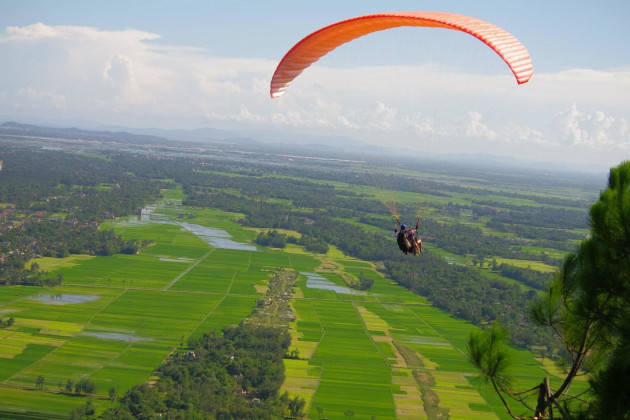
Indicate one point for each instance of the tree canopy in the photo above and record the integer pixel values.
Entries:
(587, 306)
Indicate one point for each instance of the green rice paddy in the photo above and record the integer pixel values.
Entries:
(115, 319)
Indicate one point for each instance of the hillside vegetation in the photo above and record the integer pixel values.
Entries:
(137, 296)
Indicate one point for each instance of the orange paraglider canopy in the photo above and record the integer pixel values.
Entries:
(322, 41)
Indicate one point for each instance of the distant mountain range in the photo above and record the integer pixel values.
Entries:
(17, 129)
(246, 138)
(257, 136)
(260, 141)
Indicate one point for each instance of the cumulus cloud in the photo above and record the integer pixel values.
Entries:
(120, 75)
(98, 74)
(520, 135)
(42, 98)
(39, 31)
(592, 130)
(471, 126)
(131, 77)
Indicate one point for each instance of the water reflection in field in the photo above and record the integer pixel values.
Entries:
(316, 281)
(64, 299)
(116, 336)
(218, 238)
(424, 340)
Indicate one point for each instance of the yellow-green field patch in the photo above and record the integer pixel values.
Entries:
(296, 249)
(15, 342)
(301, 379)
(457, 394)
(304, 348)
(371, 320)
(354, 351)
(533, 265)
(64, 329)
(408, 401)
(287, 232)
(51, 263)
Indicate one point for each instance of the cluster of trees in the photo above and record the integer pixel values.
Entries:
(587, 307)
(85, 190)
(55, 238)
(547, 217)
(313, 244)
(12, 274)
(323, 215)
(459, 290)
(272, 238)
(236, 374)
(275, 239)
(83, 386)
(531, 278)
(557, 236)
(365, 283)
(84, 411)
(82, 188)
(460, 239)
(6, 323)
(57, 202)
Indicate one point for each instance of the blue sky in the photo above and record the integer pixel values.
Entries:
(192, 64)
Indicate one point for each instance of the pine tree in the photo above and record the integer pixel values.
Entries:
(587, 306)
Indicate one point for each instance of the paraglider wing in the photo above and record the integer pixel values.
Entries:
(322, 41)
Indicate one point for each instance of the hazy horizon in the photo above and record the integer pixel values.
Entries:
(191, 65)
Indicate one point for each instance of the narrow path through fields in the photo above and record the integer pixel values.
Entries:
(103, 308)
(183, 273)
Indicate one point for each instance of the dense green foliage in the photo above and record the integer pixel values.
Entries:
(82, 190)
(6, 323)
(57, 200)
(492, 356)
(233, 375)
(532, 278)
(587, 306)
(272, 238)
(604, 267)
(456, 289)
(55, 204)
(459, 290)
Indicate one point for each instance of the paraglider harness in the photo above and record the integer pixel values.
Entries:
(402, 237)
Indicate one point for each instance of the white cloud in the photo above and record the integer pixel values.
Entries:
(471, 126)
(108, 75)
(519, 135)
(592, 131)
(130, 77)
(418, 123)
(39, 31)
(42, 98)
(119, 73)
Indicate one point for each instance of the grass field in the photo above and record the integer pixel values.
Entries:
(114, 319)
(351, 360)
